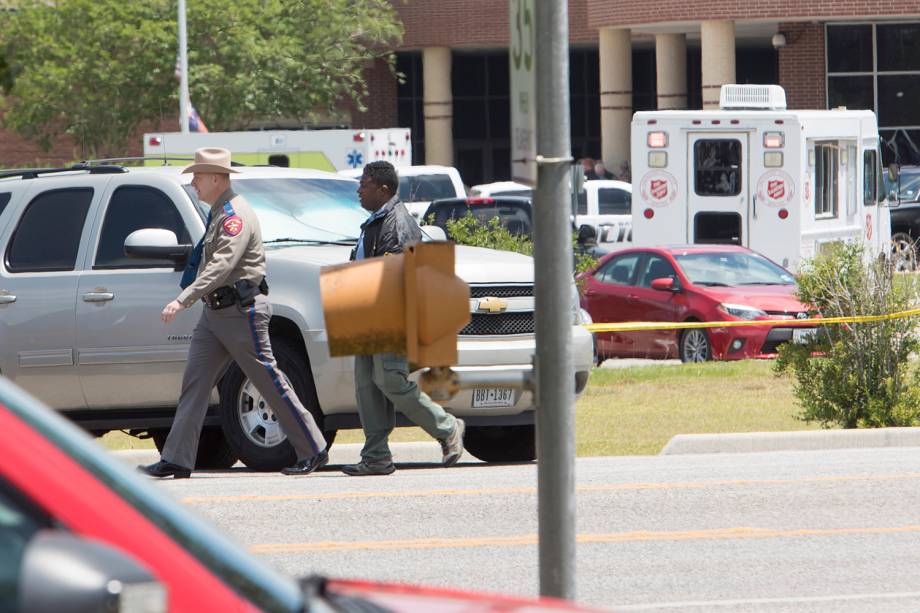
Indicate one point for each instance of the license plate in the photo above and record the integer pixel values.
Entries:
(803, 335)
(493, 397)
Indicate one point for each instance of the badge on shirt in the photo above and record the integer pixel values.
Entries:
(233, 225)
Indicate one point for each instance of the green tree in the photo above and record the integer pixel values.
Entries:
(99, 69)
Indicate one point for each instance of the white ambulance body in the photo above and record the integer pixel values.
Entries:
(780, 182)
(329, 150)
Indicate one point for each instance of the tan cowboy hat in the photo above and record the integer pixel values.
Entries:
(211, 159)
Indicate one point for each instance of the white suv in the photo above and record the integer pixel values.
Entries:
(419, 185)
(80, 327)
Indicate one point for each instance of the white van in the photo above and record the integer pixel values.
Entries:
(752, 173)
(419, 185)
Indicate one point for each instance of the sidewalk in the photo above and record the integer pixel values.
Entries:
(751, 442)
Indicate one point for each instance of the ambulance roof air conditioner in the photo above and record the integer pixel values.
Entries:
(752, 97)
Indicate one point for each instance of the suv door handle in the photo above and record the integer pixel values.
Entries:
(7, 299)
(98, 296)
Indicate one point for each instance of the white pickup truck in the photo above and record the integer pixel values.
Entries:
(80, 327)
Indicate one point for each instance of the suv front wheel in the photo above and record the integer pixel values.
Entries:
(250, 425)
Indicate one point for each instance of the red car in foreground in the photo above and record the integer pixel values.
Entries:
(81, 532)
(691, 283)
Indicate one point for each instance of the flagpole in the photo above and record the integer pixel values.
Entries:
(183, 68)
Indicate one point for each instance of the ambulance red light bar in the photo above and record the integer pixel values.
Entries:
(773, 140)
(358, 137)
(479, 201)
(155, 141)
(657, 140)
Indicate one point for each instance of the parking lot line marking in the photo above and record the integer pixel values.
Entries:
(601, 487)
(734, 603)
(738, 533)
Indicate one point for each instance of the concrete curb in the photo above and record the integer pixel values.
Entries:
(753, 442)
(350, 453)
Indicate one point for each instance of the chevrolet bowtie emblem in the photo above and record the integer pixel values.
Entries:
(492, 305)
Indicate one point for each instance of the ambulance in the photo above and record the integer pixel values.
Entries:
(330, 150)
(782, 182)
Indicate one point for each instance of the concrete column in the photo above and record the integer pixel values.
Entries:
(438, 106)
(717, 39)
(671, 70)
(615, 51)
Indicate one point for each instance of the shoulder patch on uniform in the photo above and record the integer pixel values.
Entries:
(233, 225)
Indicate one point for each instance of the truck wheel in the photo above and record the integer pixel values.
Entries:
(694, 346)
(903, 253)
(501, 443)
(251, 426)
(213, 449)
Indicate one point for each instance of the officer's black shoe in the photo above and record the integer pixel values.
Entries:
(305, 467)
(166, 469)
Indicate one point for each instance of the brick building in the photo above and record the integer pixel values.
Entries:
(632, 55)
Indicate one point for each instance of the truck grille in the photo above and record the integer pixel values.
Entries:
(501, 291)
(484, 324)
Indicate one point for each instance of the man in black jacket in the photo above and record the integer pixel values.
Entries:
(382, 385)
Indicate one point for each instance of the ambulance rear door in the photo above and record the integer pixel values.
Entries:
(718, 187)
(776, 199)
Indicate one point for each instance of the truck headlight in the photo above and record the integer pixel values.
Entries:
(741, 311)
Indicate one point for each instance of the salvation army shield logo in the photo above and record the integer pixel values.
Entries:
(233, 225)
(775, 188)
(658, 188)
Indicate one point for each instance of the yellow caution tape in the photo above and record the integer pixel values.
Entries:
(632, 326)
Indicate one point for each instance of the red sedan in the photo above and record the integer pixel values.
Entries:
(691, 283)
(81, 532)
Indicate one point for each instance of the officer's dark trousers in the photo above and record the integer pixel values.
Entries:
(239, 334)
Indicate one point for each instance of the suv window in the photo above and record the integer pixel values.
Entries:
(48, 235)
(620, 270)
(425, 188)
(613, 201)
(514, 216)
(133, 208)
(4, 200)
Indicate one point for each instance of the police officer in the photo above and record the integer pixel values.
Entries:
(234, 326)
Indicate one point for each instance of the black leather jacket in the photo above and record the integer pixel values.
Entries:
(390, 232)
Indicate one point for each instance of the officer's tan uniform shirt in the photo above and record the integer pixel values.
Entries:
(233, 250)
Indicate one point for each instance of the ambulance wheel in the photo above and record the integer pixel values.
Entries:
(903, 253)
(213, 449)
(250, 425)
(695, 346)
(501, 443)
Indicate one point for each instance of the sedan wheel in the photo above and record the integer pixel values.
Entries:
(694, 346)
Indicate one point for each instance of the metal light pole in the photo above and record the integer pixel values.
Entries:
(183, 68)
(555, 369)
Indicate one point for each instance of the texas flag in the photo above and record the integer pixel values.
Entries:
(195, 123)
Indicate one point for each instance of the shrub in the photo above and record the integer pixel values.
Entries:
(856, 375)
(468, 230)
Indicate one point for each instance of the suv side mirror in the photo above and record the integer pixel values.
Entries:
(893, 171)
(435, 233)
(156, 243)
(62, 572)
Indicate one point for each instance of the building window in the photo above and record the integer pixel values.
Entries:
(877, 67)
(827, 165)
